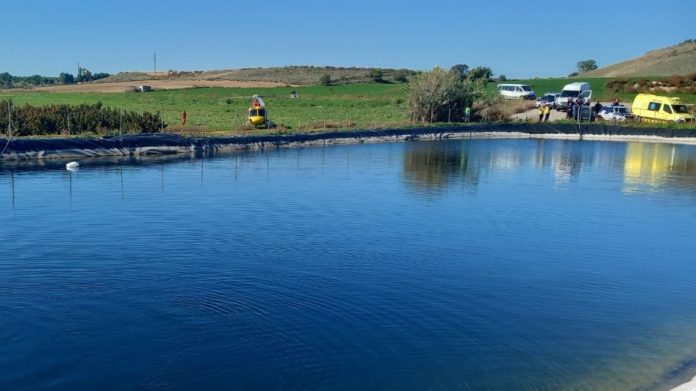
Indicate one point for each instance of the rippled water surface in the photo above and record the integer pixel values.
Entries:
(478, 264)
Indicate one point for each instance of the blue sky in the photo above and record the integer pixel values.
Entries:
(515, 38)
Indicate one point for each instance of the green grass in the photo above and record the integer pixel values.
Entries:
(223, 110)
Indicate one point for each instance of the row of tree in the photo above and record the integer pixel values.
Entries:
(8, 80)
(29, 120)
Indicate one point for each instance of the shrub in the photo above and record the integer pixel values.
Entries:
(479, 72)
(376, 75)
(401, 75)
(439, 95)
(325, 80)
(77, 119)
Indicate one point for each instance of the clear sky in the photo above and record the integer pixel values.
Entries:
(514, 38)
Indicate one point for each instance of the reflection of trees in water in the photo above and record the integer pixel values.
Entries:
(432, 166)
(658, 165)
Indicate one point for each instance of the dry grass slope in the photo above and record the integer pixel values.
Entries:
(675, 60)
(290, 75)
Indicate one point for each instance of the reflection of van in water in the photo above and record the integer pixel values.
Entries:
(516, 91)
(573, 90)
(649, 107)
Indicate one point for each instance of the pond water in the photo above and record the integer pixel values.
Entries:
(468, 264)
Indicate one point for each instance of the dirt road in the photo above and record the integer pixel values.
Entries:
(533, 114)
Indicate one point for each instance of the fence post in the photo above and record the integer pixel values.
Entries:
(9, 119)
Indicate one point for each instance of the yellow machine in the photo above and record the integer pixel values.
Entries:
(655, 108)
(258, 114)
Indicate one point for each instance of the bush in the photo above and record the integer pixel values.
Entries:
(376, 75)
(484, 73)
(401, 75)
(439, 95)
(28, 120)
(325, 80)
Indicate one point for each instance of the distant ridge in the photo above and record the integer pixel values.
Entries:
(291, 75)
(674, 60)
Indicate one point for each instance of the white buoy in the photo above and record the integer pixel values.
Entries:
(72, 166)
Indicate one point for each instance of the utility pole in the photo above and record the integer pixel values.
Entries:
(154, 61)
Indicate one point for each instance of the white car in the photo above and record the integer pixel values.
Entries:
(614, 113)
(549, 98)
(516, 91)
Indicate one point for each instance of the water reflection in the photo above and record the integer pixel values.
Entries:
(432, 167)
(657, 165)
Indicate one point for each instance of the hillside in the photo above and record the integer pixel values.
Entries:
(290, 75)
(674, 60)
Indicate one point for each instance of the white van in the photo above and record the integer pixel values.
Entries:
(516, 91)
(573, 90)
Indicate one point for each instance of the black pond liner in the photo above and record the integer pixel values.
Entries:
(165, 144)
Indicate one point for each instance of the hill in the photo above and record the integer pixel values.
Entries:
(293, 76)
(289, 75)
(674, 60)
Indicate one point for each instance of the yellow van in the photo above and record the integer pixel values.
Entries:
(654, 108)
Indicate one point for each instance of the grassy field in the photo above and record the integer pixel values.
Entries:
(223, 110)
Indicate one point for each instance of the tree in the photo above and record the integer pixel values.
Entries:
(66, 78)
(401, 75)
(439, 95)
(5, 80)
(480, 73)
(100, 75)
(587, 65)
(461, 69)
(84, 75)
(35, 80)
(376, 75)
(325, 79)
(502, 78)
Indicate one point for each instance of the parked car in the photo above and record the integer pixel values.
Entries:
(549, 98)
(516, 91)
(615, 113)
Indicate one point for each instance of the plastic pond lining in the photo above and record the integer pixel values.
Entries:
(168, 144)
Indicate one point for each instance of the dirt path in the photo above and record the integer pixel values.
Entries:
(533, 114)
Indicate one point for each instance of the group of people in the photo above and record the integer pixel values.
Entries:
(575, 108)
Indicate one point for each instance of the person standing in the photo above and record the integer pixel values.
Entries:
(542, 109)
(547, 112)
(467, 114)
(571, 105)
